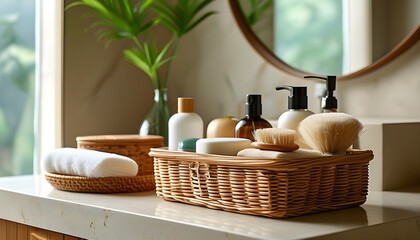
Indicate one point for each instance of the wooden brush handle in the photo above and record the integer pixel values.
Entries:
(273, 147)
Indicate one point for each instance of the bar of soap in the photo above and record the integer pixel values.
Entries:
(187, 145)
(222, 146)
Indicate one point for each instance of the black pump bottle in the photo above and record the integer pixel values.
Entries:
(329, 103)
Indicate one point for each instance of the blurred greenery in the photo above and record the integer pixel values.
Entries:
(309, 35)
(17, 86)
(256, 10)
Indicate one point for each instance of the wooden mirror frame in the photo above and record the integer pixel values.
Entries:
(268, 54)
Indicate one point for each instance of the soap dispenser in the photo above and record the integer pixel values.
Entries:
(252, 120)
(329, 102)
(297, 104)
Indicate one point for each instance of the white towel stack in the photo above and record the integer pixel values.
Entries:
(88, 163)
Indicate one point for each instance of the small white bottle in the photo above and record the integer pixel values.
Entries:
(185, 124)
(297, 104)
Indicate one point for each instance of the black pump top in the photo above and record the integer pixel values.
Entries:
(329, 101)
(253, 106)
(298, 98)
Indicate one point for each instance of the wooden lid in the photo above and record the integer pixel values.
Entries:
(120, 138)
(185, 104)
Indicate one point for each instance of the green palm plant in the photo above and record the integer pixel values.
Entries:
(126, 20)
(123, 19)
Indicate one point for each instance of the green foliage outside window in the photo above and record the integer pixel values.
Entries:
(17, 84)
(309, 35)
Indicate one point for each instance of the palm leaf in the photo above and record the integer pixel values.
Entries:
(149, 58)
(119, 16)
(121, 19)
(181, 16)
(257, 8)
(198, 21)
(167, 16)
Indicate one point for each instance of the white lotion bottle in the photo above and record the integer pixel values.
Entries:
(185, 124)
(297, 104)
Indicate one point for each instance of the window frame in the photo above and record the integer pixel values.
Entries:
(49, 78)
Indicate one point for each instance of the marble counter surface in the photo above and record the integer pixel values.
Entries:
(31, 200)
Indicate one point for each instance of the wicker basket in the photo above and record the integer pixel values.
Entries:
(266, 187)
(101, 185)
(133, 146)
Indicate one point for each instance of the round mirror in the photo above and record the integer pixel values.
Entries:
(346, 38)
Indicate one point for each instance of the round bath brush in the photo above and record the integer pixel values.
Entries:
(331, 133)
(277, 139)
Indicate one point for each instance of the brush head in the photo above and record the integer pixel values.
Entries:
(331, 133)
(278, 139)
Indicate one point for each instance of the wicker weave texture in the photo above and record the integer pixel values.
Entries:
(271, 188)
(133, 146)
(101, 185)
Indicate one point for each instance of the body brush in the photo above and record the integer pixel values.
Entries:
(331, 133)
(276, 139)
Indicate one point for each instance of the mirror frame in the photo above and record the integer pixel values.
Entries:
(268, 54)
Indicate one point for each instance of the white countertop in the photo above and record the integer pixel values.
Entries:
(31, 200)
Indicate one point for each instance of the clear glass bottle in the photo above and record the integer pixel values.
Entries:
(252, 120)
(156, 121)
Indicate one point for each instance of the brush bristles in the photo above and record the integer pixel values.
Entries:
(275, 136)
(330, 132)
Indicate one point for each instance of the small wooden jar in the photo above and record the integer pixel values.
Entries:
(135, 147)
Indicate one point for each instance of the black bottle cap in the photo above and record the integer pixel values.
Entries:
(329, 101)
(298, 98)
(253, 106)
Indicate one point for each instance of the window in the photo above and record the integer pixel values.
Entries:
(309, 35)
(30, 83)
(17, 86)
(48, 106)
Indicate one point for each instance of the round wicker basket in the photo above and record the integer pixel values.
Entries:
(135, 147)
(101, 185)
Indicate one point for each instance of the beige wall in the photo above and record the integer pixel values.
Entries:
(210, 55)
(396, 16)
(103, 94)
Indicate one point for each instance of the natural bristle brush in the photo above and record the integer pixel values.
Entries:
(331, 133)
(277, 139)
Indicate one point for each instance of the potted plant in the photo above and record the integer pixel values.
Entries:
(134, 21)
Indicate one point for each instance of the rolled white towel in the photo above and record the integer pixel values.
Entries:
(88, 163)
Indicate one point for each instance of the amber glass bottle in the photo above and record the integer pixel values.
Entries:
(252, 120)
